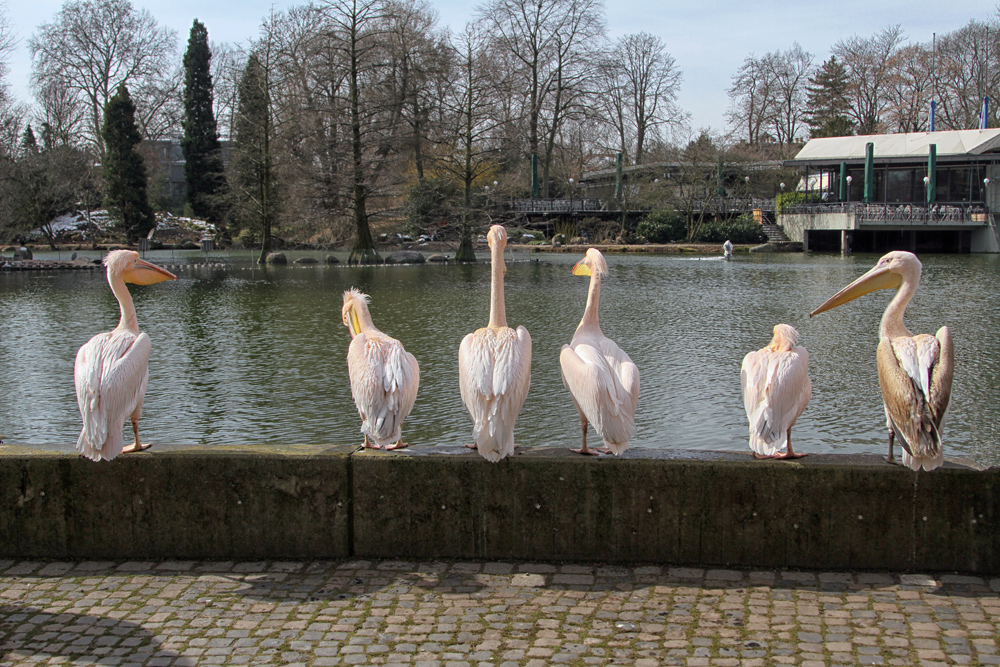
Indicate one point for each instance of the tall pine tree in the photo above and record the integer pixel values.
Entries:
(827, 100)
(124, 171)
(203, 168)
(254, 197)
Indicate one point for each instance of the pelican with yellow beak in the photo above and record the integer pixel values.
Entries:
(494, 367)
(602, 379)
(914, 371)
(384, 376)
(112, 368)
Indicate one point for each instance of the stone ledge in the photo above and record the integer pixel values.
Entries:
(657, 506)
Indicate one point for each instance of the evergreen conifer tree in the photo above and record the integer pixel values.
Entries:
(124, 171)
(203, 168)
(827, 100)
(252, 171)
(28, 142)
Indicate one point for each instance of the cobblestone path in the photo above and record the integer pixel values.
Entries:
(476, 614)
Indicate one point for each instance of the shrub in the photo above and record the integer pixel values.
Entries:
(662, 227)
(737, 230)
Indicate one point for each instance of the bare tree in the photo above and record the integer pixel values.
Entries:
(754, 99)
(228, 64)
(12, 112)
(791, 70)
(549, 41)
(93, 46)
(868, 61)
(639, 84)
(909, 89)
(356, 26)
(964, 73)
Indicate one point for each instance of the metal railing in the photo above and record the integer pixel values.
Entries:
(975, 214)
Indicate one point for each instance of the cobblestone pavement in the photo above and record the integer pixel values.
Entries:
(475, 614)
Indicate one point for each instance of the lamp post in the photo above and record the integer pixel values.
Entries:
(927, 204)
(571, 192)
(849, 179)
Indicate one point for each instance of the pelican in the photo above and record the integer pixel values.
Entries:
(112, 368)
(727, 249)
(494, 367)
(602, 379)
(914, 372)
(776, 390)
(384, 376)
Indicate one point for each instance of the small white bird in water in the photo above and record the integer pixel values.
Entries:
(776, 390)
(384, 376)
(112, 368)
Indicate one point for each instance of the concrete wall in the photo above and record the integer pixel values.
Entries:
(826, 511)
(795, 224)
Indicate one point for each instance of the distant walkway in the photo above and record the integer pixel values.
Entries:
(478, 614)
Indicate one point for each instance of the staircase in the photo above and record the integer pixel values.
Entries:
(775, 234)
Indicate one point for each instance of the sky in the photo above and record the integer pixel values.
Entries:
(709, 39)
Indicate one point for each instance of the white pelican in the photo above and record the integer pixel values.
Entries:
(602, 379)
(112, 368)
(776, 390)
(384, 376)
(494, 367)
(915, 372)
(727, 249)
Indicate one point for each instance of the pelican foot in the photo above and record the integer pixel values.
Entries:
(892, 460)
(370, 445)
(586, 452)
(399, 445)
(472, 446)
(789, 455)
(136, 447)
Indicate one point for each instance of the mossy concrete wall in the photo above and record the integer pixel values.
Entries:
(187, 503)
(824, 511)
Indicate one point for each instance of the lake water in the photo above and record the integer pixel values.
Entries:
(251, 355)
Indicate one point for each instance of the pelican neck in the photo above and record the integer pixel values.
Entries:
(498, 313)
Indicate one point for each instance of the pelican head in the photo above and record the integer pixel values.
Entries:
(354, 300)
(891, 271)
(497, 236)
(593, 263)
(785, 337)
(125, 264)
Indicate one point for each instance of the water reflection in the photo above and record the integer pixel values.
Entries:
(244, 354)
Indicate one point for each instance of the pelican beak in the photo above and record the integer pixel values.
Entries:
(878, 278)
(581, 268)
(353, 324)
(144, 273)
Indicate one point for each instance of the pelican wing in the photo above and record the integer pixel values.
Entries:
(110, 373)
(776, 390)
(905, 365)
(384, 382)
(604, 382)
(494, 377)
(941, 376)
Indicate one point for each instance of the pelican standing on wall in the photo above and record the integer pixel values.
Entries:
(384, 376)
(112, 368)
(494, 367)
(776, 390)
(601, 378)
(914, 372)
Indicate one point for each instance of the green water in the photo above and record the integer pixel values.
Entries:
(243, 354)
